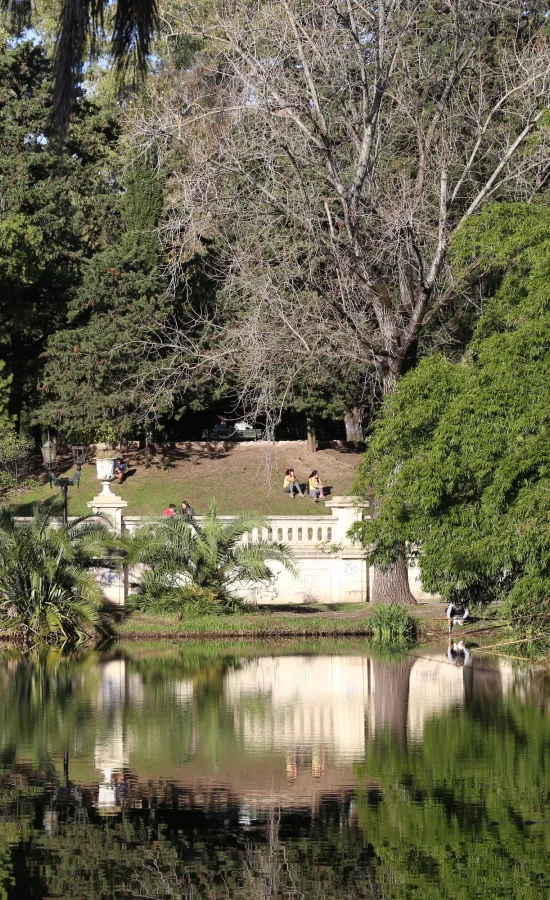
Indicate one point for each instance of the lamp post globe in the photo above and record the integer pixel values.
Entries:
(49, 454)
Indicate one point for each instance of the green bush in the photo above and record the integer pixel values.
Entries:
(48, 590)
(187, 600)
(392, 624)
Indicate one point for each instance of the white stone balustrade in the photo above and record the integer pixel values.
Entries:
(330, 566)
(296, 531)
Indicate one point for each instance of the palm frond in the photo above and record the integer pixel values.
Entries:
(243, 524)
(100, 519)
(280, 553)
(81, 24)
(210, 559)
(47, 585)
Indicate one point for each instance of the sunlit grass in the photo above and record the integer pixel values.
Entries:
(237, 488)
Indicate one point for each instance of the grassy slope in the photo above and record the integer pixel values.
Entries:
(238, 478)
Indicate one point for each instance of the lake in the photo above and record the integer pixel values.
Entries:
(305, 770)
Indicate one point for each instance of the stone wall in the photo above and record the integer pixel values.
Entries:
(331, 568)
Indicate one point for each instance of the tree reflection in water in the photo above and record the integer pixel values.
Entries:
(197, 772)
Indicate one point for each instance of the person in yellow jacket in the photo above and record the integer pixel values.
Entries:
(290, 484)
(315, 486)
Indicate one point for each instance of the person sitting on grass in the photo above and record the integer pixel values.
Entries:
(170, 511)
(187, 510)
(120, 469)
(290, 484)
(316, 486)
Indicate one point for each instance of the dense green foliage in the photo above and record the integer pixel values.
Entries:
(460, 457)
(202, 567)
(392, 624)
(118, 297)
(14, 447)
(53, 210)
(47, 588)
(81, 284)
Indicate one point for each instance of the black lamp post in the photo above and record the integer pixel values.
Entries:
(49, 455)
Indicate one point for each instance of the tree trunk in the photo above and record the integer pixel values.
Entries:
(311, 439)
(354, 424)
(150, 440)
(392, 586)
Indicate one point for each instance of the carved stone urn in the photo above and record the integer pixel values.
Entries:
(105, 468)
(106, 502)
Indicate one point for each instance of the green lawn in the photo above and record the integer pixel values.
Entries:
(339, 620)
(241, 625)
(238, 478)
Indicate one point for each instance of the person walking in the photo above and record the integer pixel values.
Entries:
(290, 484)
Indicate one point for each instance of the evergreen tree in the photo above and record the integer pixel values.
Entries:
(97, 368)
(53, 209)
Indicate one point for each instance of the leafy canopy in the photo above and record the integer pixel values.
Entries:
(459, 459)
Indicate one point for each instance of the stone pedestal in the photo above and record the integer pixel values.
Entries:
(346, 511)
(113, 582)
(108, 503)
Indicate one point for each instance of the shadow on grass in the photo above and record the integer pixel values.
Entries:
(55, 500)
(23, 509)
(129, 474)
(297, 609)
(168, 455)
(342, 446)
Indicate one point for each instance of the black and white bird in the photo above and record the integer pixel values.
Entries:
(456, 615)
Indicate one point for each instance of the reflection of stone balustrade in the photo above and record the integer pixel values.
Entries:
(301, 704)
(282, 718)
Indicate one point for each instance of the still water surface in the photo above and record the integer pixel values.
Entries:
(309, 771)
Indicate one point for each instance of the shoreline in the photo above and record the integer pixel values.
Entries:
(122, 625)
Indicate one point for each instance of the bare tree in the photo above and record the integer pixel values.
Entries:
(333, 149)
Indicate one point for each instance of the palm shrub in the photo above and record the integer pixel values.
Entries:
(47, 586)
(201, 567)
